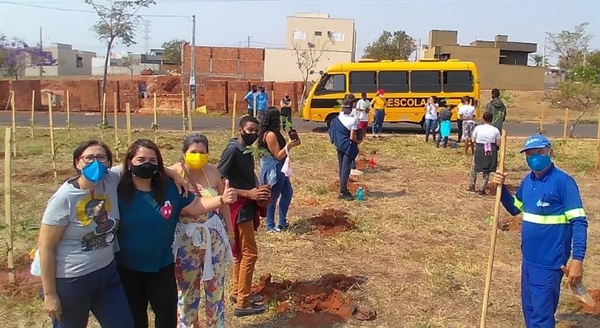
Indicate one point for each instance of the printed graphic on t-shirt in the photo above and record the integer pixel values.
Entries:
(96, 210)
(166, 210)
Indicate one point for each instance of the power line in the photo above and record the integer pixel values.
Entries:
(81, 10)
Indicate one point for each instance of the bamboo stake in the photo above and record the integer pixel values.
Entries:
(233, 115)
(565, 124)
(14, 122)
(488, 278)
(115, 116)
(255, 109)
(183, 109)
(155, 124)
(68, 117)
(52, 145)
(8, 204)
(597, 165)
(272, 98)
(128, 114)
(32, 120)
(189, 115)
(104, 122)
(542, 118)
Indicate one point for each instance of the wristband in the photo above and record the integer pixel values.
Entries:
(222, 201)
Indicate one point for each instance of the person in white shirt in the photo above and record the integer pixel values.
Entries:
(431, 109)
(486, 138)
(362, 112)
(466, 113)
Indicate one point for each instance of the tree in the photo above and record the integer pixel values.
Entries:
(173, 50)
(307, 59)
(392, 46)
(580, 93)
(570, 45)
(16, 56)
(118, 20)
(129, 61)
(539, 60)
(593, 59)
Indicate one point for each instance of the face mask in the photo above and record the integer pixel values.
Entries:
(95, 171)
(538, 163)
(196, 161)
(249, 138)
(144, 171)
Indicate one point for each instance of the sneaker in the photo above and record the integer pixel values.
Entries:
(253, 299)
(253, 309)
(346, 196)
(283, 227)
(356, 172)
(274, 230)
(471, 189)
(481, 193)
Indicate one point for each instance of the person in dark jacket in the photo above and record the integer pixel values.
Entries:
(497, 108)
(444, 125)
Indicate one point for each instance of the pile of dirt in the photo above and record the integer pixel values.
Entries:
(27, 286)
(510, 224)
(491, 188)
(164, 84)
(584, 308)
(353, 185)
(319, 303)
(332, 221)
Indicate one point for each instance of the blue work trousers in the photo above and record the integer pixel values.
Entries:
(540, 292)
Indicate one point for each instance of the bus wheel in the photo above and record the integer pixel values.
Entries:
(330, 119)
(422, 123)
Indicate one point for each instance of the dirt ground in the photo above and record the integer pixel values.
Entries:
(412, 254)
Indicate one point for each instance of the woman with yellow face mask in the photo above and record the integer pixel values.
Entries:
(202, 244)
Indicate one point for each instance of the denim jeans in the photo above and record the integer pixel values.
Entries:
(430, 126)
(344, 167)
(250, 112)
(100, 292)
(378, 121)
(283, 191)
(439, 139)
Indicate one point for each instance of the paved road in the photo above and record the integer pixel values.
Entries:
(224, 123)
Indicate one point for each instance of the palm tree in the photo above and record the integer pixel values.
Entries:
(539, 60)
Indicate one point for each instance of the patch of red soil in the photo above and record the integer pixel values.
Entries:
(332, 221)
(595, 294)
(510, 224)
(27, 285)
(361, 163)
(353, 185)
(491, 188)
(46, 176)
(319, 303)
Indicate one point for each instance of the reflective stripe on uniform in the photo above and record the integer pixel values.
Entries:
(518, 204)
(575, 213)
(545, 219)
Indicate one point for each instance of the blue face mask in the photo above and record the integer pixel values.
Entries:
(538, 163)
(95, 171)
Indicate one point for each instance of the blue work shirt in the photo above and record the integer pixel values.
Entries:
(147, 229)
(553, 218)
(250, 99)
(262, 100)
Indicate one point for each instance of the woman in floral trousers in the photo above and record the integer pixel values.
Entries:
(202, 248)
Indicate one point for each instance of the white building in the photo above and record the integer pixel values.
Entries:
(69, 61)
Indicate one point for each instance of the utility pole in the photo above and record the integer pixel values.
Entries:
(193, 67)
(544, 52)
(41, 50)
(249, 37)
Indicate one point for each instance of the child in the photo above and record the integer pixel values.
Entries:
(445, 124)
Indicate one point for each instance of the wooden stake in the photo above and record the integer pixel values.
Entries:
(566, 124)
(542, 118)
(68, 118)
(104, 106)
(272, 98)
(8, 204)
(52, 145)
(233, 115)
(128, 114)
(32, 120)
(155, 124)
(189, 115)
(597, 165)
(183, 109)
(488, 277)
(115, 116)
(14, 122)
(255, 109)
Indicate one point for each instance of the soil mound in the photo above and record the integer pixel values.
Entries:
(27, 286)
(318, 303)
(595, 293)
(332, 221)
(510, 224)
(491, 188)
(353, 185)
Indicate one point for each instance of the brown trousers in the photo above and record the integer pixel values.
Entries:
(243, 269)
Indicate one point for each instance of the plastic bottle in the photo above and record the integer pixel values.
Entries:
(360, 194)
(582, 293)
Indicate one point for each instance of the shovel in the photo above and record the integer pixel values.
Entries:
(580, 291)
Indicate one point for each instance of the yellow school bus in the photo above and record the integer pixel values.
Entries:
(407, 87)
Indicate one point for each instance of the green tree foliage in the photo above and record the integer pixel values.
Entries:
(391, 46)
(117, 21)
(580, 93)
(539, 60)
(570, 45)
(173, 50)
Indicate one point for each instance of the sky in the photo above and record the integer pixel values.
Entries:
(231, 22)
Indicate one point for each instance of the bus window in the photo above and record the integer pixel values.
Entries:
(333, 83)
(458, 81)
(363, 82)
(394, 81)
(425, 81)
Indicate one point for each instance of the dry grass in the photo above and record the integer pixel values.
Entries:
(421, 240)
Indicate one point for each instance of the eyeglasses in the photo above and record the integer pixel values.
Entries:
(87, 159)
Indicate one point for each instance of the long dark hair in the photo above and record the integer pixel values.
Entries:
(271, 121)
(127, 188)
(87, 144)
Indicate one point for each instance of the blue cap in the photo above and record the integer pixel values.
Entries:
(536, 141)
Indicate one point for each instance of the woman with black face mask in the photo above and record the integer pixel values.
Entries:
(149, 207)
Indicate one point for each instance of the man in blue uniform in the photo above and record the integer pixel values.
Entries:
(553, 221)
